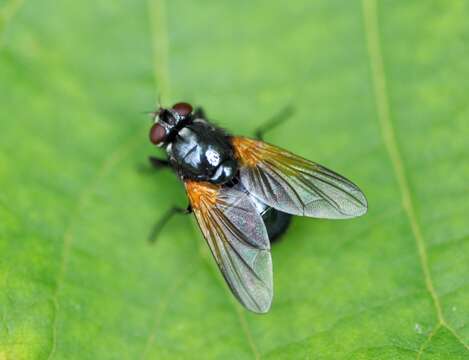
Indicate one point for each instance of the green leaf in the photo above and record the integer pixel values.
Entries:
(380, 95)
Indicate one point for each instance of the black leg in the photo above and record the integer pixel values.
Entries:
(199, 113)
(159, 163)
(160, 224)
(274, 121)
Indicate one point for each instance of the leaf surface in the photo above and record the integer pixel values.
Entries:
(380, 95)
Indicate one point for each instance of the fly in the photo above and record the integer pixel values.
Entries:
(243, 193)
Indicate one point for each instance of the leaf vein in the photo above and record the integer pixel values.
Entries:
(7, 13)
(117, 155)
(370, 13)
(387, 129)
(159, 33)
(427, 341)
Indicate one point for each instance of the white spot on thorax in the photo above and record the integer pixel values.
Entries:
(184, 132)
(213, 157)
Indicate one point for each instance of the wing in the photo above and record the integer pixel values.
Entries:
(295, 185)
(237, 237)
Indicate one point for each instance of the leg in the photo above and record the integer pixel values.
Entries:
(164, 220)
(199, 113)
(274, 121)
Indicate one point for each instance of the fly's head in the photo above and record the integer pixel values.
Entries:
(167, 121)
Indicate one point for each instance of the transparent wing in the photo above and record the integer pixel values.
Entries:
(237, 237)
(295, 185)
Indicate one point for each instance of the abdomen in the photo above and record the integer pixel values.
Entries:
(276, 223)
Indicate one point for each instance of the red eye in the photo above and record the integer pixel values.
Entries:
(183, 109)
(157, 133)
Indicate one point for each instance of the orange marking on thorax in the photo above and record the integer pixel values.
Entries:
(201, 192)
(246, 150)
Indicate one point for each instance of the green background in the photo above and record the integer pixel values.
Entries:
(380, 90)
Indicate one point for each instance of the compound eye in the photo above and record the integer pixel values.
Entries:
(183, 109)
(157, 134)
